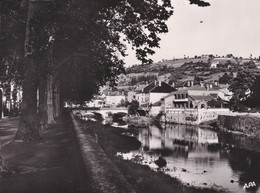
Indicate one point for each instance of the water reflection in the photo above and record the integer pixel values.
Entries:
(197, 156)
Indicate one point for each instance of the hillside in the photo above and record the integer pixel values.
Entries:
(203, 68)
(159, 66)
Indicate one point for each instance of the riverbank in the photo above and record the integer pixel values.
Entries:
(142, 178)
(240, 125)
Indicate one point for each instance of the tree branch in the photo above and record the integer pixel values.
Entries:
(69, 57)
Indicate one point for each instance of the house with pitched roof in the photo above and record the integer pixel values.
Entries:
(192, 106)
(153, 93)
(181, 99)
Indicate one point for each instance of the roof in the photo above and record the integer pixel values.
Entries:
(158, 103)
(164, 88)
(159, 88)
(184, 81)
(197, 87)
(140, 87)
(201, 97)
(180, 84)
(188, 78)
(203, 88)
(215, 96)
(149, 87)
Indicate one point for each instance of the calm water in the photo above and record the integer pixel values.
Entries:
(199, 156)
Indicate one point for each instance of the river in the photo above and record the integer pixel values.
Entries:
(200, 156)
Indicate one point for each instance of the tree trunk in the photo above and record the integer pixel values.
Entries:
(1, 160)
(29, 127)
(43, 117)
(56, 99)
(2, 164)
(50, 103)
(1, 157)
(0, 19)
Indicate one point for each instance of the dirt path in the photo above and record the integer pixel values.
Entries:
(8, 128)
(53, 165)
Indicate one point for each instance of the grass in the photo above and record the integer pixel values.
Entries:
(142, 178)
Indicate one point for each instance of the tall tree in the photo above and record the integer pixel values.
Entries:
(93, 34)
(28, 128)
(255, 93)
(243, 85)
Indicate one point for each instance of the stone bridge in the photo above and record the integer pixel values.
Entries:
(103, 111)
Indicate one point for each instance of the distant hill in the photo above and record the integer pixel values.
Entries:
(208, 68)
(156, 67)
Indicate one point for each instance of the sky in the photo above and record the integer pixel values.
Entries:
(225, 27)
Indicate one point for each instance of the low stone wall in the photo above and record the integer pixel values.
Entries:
(247, 125)
(104, 175)
(180, 116)
(193, 116)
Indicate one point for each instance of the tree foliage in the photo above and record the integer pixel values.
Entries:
(97, 29)
(243, 86)
(198, 80)
(200, 3)
(11, 41)
(226, 78)
(139, 23)
(255, 93)
(133, 107)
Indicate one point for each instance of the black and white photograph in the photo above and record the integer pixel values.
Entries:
(129, 96)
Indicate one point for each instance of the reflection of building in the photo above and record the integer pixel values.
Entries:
(207, 136)
(203, 162)
(174, 137)
(155, 139)
(203, 156)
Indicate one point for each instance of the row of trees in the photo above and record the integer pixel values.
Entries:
(143, 79)
(66, 49)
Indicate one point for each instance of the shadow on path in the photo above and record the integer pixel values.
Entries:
(53, 165)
